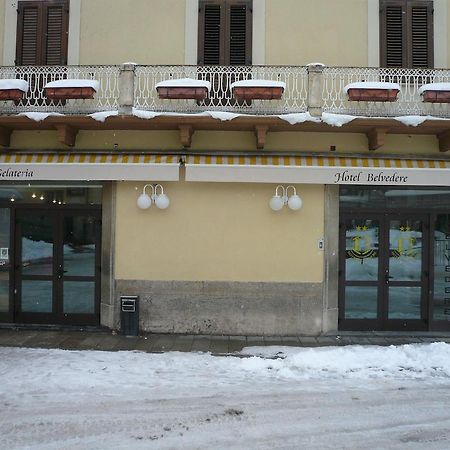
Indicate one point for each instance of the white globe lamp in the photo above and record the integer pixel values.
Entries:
(276, 203)
(295, 202)
(162, 201)
(144, 201)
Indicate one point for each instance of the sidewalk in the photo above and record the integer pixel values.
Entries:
(157, 343)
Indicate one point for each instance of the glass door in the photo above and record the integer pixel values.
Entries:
(57, 266)
(383, 272)
(405, 274)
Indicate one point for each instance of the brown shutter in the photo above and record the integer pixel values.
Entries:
(225, 32)
(42, 32)
(210, 43)
(406, 33)
(56, 22)
(28, 32)
(420, 15)
(240, 33)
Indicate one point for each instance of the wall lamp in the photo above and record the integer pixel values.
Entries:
(293, 202)
(160, 199)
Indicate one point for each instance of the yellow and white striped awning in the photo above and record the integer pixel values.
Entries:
(85, 166)
(318, 170)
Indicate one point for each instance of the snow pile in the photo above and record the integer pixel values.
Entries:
(21, 85)
(434, 87)
(74, 83)
(258, 83)
(103, 115)
(294, 118)
(337, 120)
(414, 361)
(39, 116)
(372, 85)
(184, 82)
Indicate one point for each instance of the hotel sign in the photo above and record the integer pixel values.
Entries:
(360, 177)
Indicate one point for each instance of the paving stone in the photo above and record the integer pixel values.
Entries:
(237, 343)
(291, 341)
(219, 344)
(255, 341)
(200, 344)
(308, 341)
(163, 343)
(183, 343)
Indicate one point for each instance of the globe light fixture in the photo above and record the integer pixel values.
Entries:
(282, 197)
(160, 199)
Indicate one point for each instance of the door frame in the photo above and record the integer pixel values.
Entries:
(382, 322)
(57, 315)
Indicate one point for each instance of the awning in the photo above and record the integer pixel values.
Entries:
(318, 170)
(83, 166)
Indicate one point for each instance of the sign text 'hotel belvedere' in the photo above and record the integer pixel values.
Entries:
(360, 177)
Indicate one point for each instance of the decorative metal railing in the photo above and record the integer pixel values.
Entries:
(409, 101)
(319, 89)
(220, 97)
(107, 98)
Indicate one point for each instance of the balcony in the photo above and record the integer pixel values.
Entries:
(314, 99)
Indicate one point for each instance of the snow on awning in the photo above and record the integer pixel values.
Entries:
(318, 170)
(84, 166)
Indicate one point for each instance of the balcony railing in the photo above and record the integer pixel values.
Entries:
(314, 88)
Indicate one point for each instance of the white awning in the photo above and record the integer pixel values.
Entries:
(318, 170)
(83, 166)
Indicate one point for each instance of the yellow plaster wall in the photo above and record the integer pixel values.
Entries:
(222, 141)
(333, 32)
(219, 231)
(142, 31)
(2, 25)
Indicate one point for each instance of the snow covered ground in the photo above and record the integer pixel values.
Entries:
(274, 398)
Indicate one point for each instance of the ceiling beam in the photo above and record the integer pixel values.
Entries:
(261, 133)
(376, 138)
(186, 132)
(5, 136)
(444, 141)
(66, 134)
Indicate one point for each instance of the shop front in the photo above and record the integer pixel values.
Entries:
(394, 258)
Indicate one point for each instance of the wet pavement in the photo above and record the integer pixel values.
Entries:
(106, 340)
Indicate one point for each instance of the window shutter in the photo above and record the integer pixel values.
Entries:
(393, 36)
(240, 21)
(42, 32)
(28, 30)
(210, 30)
(406, 33)
(421, 19)
(225, 32)
(55, 42)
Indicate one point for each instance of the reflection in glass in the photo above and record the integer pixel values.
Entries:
(361, 302)
(405, 250)
(36, 296)
(361, 250)
(404, 302)
(79, 245)
(37, 244)
(79, 297)
(441, 298)
(392, 198)
(5, 255)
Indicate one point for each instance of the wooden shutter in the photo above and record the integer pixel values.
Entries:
(420, 15)
(406, 33)
(42, 32)
(225, 32)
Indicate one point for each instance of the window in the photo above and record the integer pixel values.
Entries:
(225, 32)
(406, 33)
(42, 31)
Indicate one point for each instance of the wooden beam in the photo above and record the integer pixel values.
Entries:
(376, 136)
(5, 136)
(444, 141)
(261, 132)
(186, 132)
(66, 134)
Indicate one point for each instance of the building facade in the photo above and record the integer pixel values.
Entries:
(249, 167)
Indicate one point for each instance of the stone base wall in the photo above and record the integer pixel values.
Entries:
(226, 308)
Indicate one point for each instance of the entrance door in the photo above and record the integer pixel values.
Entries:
(383, 272)
(57, 266)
